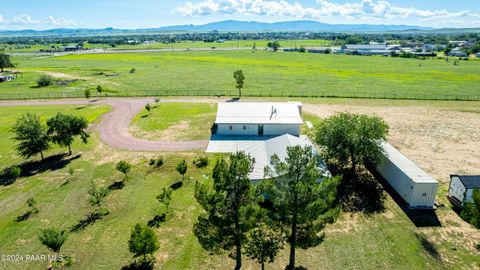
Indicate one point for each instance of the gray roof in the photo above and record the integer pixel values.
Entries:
(261, 150)
(365, 46)
(469, 181)
(259, 113)
(407, 166)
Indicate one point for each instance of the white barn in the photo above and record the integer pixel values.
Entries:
(461, 188)
(258, 119)
(413, 184)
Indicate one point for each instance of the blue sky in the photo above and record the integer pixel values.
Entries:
(47, 14)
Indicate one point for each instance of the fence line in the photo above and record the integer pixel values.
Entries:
(246, 93)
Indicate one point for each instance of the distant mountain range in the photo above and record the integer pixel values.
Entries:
(239, 26)
(290, 26)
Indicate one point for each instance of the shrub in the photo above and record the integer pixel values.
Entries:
(159, 162)
(44, 80)
(123, 167)
(151, 162)
(201, 162)
(14, 172)
(133, 70)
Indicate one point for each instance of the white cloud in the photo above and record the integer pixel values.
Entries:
(26, 21)
(356, 9)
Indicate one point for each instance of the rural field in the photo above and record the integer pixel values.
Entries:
(259, 44)
(433, 134)
(267, 74)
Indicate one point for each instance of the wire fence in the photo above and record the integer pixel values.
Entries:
(245, 93)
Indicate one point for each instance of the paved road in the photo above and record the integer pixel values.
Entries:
(113, 127)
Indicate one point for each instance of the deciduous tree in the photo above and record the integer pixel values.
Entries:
(63, 129)
(239, 81)
(31, 136)
(353, 139)
(5, 62)
(123, 167)
(471, 210)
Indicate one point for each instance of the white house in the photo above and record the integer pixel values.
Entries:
(258, 119)
(413, 184)
(261, 130)
(461, 188)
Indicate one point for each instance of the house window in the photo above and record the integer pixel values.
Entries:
(230, 127)
(244, 127)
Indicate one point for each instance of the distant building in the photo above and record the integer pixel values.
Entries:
(72, 48)
(6, 78)
(461, 188)
(425, 54)
(478, 55)
(460, 43)
(457, 52)
(361, 49)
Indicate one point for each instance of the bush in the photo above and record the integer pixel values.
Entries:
(14, 172)
(44, 80)
(201, 162)
(156, 162)
(133, 70)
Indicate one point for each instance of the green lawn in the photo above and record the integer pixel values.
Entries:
(267, 74)
(175, 121)
(11, 114)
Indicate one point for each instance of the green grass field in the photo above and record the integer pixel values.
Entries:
(260, 44)
(175, 121)
(267, 74)
(386, 240)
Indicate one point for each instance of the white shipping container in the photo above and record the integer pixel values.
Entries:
(412, 183)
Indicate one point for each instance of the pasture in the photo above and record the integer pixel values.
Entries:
(382, 239)
(267, 74)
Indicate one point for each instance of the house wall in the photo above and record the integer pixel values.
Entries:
(274, 130)
(456, 189)
(252, 129)
(237, 129)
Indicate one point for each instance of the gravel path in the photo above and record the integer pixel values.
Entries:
(113, 127)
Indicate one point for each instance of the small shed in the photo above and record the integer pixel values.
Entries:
(412, 183)
(461, 188)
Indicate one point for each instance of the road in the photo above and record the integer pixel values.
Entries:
(113, 126)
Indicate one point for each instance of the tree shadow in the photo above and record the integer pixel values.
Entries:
(176, 185)
(33, 167)
(157, 220)
(429, 247)
(233, 100)
(140, 265)
(80, 108)
(90, 219)
(117, 185)
(361, 193)
(23, 217)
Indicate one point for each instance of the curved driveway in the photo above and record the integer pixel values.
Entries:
(113, 126)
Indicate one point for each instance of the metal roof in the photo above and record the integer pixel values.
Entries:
(259, 113)
(469, 181)
(411, 169)
(365, 46)
(261, 150)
